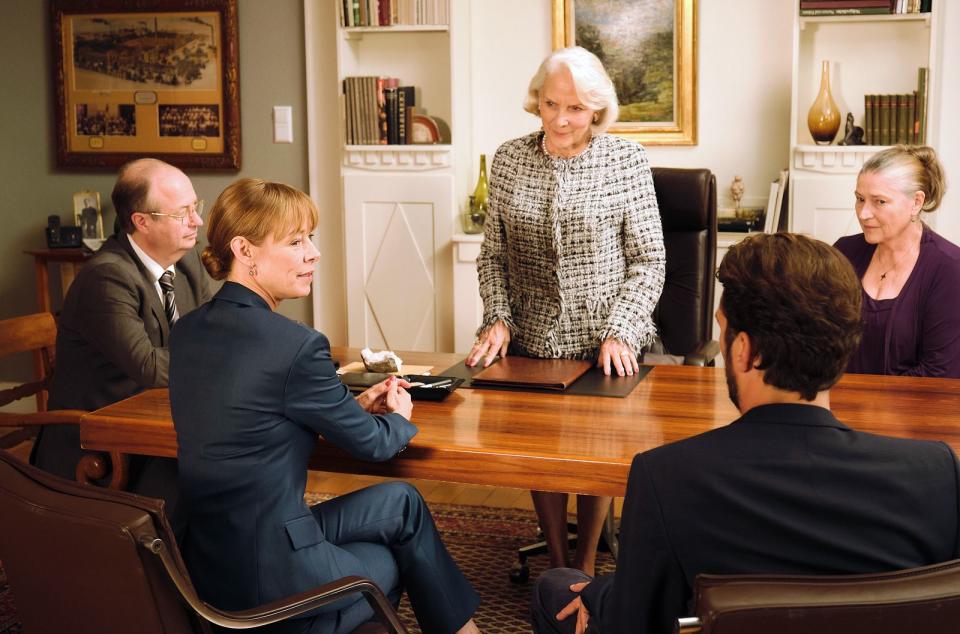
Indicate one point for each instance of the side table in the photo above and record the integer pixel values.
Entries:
(70, 261)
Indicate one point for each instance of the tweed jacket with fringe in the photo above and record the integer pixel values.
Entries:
(573, 248)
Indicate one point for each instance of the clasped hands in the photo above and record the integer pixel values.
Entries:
(387, 397)
(495, 340)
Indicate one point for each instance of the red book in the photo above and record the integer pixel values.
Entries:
(844, 4)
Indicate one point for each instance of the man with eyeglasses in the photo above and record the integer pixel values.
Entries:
(114, 329)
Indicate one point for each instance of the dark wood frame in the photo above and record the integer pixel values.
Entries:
(228, 159)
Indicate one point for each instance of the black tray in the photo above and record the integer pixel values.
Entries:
(360, 381)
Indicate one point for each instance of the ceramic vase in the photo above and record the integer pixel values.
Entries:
(824, 116)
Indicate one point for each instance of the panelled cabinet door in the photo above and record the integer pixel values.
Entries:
(823, 206)
(397, 230)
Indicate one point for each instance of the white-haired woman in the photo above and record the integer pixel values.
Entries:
(572, 262)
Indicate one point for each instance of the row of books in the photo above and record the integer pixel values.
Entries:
(378, 111)
(863, 7)
(394, 12)
(890, 119)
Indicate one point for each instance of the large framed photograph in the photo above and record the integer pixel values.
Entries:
(649, 48)
(136, 78)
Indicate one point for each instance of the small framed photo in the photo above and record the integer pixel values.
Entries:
(86, 213)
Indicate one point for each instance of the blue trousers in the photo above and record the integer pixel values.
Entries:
(386, 533)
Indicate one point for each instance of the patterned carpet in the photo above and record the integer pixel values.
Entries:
(483, 541)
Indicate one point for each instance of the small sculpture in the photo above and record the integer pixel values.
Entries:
(852, 134)
(736, 191)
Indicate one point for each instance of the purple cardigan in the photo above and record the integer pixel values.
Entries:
(922, 332)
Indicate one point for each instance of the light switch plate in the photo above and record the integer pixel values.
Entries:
(283, 124)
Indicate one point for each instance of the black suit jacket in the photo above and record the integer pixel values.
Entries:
(784, 489)
(112, 338)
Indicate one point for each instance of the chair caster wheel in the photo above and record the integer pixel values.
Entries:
(520, 573)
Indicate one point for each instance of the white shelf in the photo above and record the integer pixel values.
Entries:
(398, 157)
(467, 238)
(906, 17)
(868, 54)
(357, 32)
(399, 211)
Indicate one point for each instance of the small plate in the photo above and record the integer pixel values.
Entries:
(425, 129)
(423, 384)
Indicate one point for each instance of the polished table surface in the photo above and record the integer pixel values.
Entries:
(557, 442)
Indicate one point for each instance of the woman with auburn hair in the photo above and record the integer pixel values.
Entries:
(572, 262)
(910, 274)
(250, 391)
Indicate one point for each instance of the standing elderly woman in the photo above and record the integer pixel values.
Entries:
(572, 262)
(250, 390)
(910, 275)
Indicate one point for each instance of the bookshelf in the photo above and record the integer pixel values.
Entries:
(869, 54)
(398, 201)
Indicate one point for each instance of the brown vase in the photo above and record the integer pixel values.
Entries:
(824, 117)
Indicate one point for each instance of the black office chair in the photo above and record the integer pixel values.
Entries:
(110, 559)
(687, 199)
(688, 212)
(923, 599)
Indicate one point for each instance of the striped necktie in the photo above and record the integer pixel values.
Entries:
(169, 301)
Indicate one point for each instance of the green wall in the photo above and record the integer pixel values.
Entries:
(271, 73)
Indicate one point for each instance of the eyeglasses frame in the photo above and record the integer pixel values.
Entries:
(197, 208)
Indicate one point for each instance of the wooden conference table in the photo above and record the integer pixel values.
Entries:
(555, 442)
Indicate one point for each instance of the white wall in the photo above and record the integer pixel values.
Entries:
(948, 138)
(743, 94)
(743, 105)
(329, 292)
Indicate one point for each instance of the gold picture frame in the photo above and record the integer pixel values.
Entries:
(679, 125)
(87, 215)
(155, 78)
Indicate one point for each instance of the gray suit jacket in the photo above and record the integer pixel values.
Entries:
(112, 339)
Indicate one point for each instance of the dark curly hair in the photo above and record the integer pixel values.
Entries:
(798, 299)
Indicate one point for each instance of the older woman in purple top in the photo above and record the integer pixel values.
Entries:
(909, 274)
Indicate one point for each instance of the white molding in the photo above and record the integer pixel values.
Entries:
(833, 159)
(403, 158)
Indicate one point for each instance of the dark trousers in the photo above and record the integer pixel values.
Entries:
(386, 533)
(551, 594)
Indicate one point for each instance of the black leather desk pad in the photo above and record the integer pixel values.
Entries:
(593, 383)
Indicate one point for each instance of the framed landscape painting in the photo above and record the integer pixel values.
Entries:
(649, 49)
(136, 78)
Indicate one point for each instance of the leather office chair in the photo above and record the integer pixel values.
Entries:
(688, 213)
(923, 599)
(110, 559)
(35, 333)
(687, 199)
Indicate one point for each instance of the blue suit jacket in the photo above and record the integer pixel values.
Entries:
(250, 390)
(785, 489)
